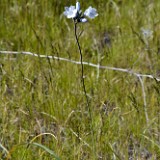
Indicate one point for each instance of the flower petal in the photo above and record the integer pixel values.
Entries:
(70, 12)
(66, 8)
(78, 6)
(83, 20)
(91, 12)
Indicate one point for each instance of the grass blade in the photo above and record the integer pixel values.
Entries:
(47, 150)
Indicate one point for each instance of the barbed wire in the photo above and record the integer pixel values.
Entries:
(85, 63)
(129, 71)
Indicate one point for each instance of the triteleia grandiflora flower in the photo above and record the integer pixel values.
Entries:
(76, 14)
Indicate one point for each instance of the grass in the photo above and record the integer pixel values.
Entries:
(43, 112)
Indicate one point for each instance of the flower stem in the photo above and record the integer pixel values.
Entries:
(84, 87)
(81, 59)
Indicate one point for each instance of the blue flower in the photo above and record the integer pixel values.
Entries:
(147, 33)
(76, 14)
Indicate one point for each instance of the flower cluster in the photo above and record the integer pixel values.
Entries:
(76, 14)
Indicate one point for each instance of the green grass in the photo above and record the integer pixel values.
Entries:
(43, 112)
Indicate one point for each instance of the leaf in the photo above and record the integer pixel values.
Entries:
(47, 150)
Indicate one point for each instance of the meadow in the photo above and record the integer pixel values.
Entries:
(43, 110)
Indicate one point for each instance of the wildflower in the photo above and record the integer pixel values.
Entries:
(147, 33)
(76, 14)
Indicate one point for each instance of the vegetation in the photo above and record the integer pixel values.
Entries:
(43, 111)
